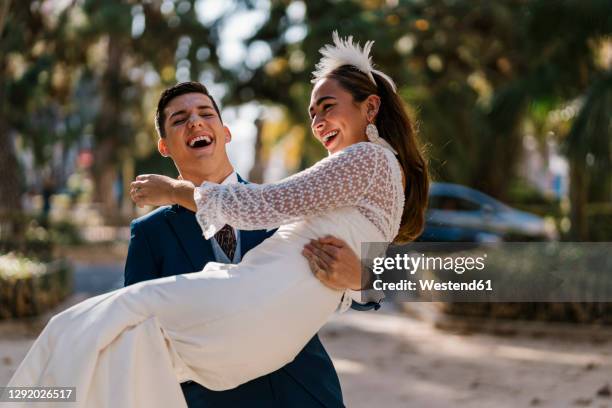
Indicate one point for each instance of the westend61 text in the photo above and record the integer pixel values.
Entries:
(429, 285)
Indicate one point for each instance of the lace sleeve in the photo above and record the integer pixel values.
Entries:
(337, 181)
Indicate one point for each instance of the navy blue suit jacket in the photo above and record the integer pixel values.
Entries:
(168, 241)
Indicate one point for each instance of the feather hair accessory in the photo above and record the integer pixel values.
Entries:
(347, 52)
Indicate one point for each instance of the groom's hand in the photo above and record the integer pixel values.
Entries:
(334, 263)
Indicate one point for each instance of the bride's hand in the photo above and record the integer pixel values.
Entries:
(153, 189)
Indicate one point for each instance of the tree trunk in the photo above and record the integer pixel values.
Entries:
(496, 169)
(256, 175)
(107, 131)
(501, 144)
(10, 182)
(578, 200)
(127, 171)
(11, 227)
(105, 175)
(4, 8)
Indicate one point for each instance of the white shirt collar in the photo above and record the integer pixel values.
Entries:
(231, 179)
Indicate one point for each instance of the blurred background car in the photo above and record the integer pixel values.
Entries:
(458, 213)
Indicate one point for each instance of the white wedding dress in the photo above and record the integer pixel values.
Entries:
(227, 324)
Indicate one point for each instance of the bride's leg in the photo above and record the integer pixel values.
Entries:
(112, 355)
(229, 323)
(59, 339)
(234, 323)
(134, 372)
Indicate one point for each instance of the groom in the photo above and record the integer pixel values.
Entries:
(169, 241)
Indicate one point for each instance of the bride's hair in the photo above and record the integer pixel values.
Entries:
(395, 127)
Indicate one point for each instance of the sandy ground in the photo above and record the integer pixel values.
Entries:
(387, 359)
(390, 360)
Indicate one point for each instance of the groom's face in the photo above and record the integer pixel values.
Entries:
(195, 136)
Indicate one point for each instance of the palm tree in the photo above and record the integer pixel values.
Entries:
(588, 148)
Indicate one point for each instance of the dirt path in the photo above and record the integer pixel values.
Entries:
(386, 359)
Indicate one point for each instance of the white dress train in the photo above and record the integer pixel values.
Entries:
(227, 324)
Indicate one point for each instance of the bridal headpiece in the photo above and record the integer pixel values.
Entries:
(347, 52)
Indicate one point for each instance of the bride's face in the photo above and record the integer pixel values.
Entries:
(337, 120)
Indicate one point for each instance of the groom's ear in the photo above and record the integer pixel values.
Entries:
(162, 147)
(228, 134)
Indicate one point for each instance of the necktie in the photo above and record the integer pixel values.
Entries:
(227, 241)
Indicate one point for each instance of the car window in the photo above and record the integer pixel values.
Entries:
(449, 203)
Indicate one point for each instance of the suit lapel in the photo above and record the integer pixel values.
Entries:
(250, 239)
(188, 233)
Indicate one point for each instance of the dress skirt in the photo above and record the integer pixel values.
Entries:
(220, 327)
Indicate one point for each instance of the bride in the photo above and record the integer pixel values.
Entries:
(228, 324)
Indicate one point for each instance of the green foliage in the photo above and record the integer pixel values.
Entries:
(522, 193)
(472, 72)
(35, 237)
(29, 288)
(156, 163)
(470, 69)
(65, 233)
(599, 221)
(24, 235)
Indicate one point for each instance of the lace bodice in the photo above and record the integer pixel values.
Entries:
(363, 175)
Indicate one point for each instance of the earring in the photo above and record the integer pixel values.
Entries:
(374, 137)
(372, 132)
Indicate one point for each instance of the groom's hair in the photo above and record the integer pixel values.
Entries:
(171, 93)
